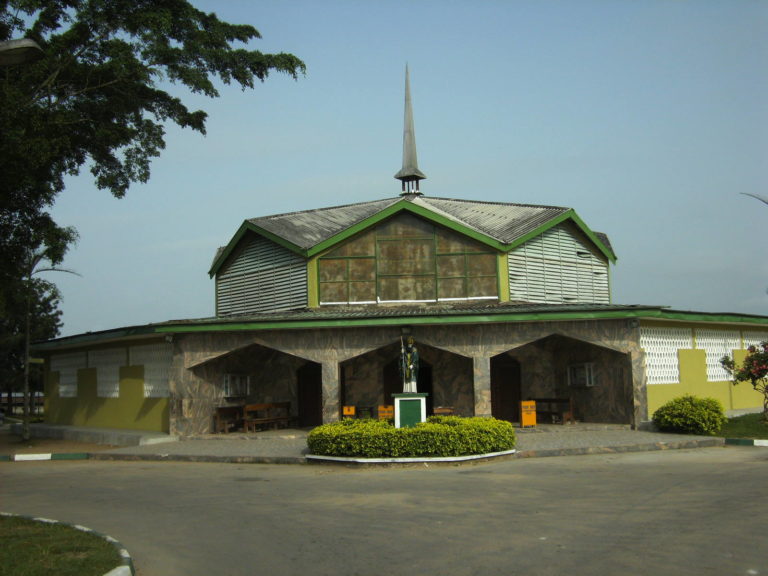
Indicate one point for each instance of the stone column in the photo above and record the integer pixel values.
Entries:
(482, 385)
(330, 391)
(640, 416)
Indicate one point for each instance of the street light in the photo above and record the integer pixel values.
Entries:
(13, 52)
(20, 51)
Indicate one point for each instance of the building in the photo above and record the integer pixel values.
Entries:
(505, 302)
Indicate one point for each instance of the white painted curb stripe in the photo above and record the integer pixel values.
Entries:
(761, 442)
(416, 460)
(29, 457)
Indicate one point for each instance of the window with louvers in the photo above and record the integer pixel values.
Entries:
(261, 276)
(557, 267)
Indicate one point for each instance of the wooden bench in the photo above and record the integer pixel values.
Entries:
(227, 418)
(270, 415)
(443, 411)
(554, 410)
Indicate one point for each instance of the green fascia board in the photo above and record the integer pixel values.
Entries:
(404, 206)
(246, 227)
(569, 215)
(646, 313)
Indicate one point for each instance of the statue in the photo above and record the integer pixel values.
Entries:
(409, 364)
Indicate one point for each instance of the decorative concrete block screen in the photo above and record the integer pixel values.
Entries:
(716, 344)
(67, 366)
(156, 359)
(754, 338)
(661, 345)
(107, 364)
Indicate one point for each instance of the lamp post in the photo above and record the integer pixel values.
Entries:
(21, 51)
(13, 53)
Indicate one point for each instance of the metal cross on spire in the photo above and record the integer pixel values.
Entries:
(409, 174)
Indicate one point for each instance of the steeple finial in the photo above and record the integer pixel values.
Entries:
(410, 174)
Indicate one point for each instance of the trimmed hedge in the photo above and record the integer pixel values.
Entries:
(440, 436)
(691, 415)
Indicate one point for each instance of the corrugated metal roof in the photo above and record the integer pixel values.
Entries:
(311, 227)
(404, 312)
(501, 221)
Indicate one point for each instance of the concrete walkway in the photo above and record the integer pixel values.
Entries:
(290, 447)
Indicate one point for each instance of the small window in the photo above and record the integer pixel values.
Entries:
(581, 375)
(236, 385)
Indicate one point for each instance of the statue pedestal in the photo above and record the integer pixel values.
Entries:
(410, 409)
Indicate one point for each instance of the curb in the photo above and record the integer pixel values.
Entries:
(198, 458)
(309, 458)
(416, 460)
(745, 442)
(126, 565)
(39, 457)
(623, 449)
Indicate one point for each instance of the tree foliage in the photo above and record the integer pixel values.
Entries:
(98, 97)
(45, 323)
(754, 369)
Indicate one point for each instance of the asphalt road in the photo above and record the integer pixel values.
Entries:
(672, 512)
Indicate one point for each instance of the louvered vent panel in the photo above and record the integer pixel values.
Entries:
(156, 359)
(262, 277)
(107, 364)
(556, 267)
(716, 344)
(67, 366)
(662, 364)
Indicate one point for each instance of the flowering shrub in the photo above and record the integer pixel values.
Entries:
(754, 370)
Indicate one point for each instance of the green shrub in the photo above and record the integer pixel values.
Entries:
(440, 436)
(691, 415)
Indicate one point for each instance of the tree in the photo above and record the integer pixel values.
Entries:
(44, 322)
(754, 369)
(97, 97)
(32, 311)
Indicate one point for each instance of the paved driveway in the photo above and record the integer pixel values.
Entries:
(667, 512)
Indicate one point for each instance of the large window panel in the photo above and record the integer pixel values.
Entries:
(362, 269)
(407, 289)
(481, 265)
(333, 270)
(334, 292)
(362, 292)
(415, 261)
(451, 266)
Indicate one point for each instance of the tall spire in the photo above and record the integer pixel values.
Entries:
(410, 174)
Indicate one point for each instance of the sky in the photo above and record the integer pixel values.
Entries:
(648, 117)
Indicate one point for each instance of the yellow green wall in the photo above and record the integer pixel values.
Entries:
(693, 380)
(130, 411)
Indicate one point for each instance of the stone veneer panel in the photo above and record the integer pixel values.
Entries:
(197, 364)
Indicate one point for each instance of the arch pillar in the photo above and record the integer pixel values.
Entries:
(482, 385)
(330, 390)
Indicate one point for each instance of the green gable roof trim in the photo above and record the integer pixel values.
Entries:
(350, 317)
(502, 226)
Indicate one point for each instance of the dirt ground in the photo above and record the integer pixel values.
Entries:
(12, 444)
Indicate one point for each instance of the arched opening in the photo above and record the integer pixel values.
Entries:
(369, 380)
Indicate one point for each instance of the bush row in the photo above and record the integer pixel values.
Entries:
(440, 436)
